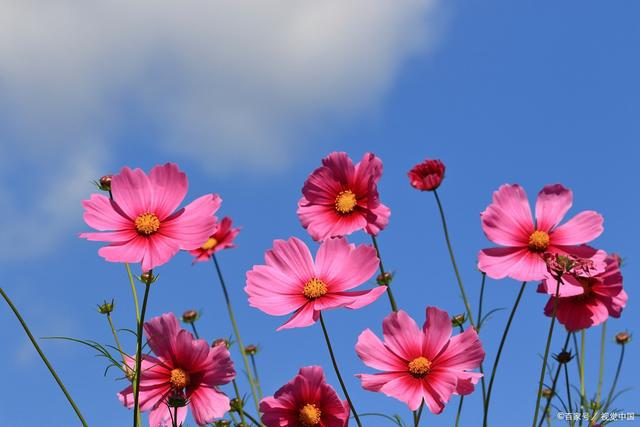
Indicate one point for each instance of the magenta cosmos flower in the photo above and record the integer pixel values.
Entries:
(305, 401)
(291, 281)
(426, 364)
(221, 239)
(182, 364)
(427, 176)
(587, 300)
(339, 197)
(141, 223)
(507, 221)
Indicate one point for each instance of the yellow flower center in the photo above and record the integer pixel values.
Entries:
(346, 202)
(210, 244)
(314, 288)
(179, 379)
(538, 241)
(147, 224)
(309, 415)
(419, 367)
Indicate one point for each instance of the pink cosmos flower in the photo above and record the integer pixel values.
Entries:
(587, 300)
(339, 197)
(291, 281)
(427, 176)
(182, 364)
(140, 223)
(507, 221)
(305, 401)
(426, 364)
(221, 239)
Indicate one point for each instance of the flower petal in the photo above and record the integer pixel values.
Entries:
(103, 214)
(582, 228)
(207, 404)
(343, 266)
(192, 225)
(402, 335)
(517, 263)
(552, 205)
(132, 191)
(169, 188)
(464, 352)
(304, 316)
(376, 355)
(437, 332)
(162, 332)
(507, 221)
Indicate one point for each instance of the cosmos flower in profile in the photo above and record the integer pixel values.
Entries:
(305, 401)
(291, 281)
(142, 224)
(418, 364)
(221, 239)
(427, 176)
(339, 197)
(182, 365)
(508, 222)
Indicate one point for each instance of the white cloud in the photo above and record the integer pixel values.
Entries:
(223, 81)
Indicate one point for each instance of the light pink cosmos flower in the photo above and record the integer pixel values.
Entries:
(305, 401)
(339, 197)
(292, 281)
(182, 364)
(507, 221)
(221, 239)
(141, 223)
(426, 364)
(587, 300)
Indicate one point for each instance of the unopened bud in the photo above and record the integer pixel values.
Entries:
(458, 320)
(105, 183)
(222, 423)
(547, 393)
(221, 341)
(106, 307)
(236, 404)
(190, 316)
(177, 400)
(147, 277)
(563, 357)
(251, 350)
(623, 338)
(384, 279)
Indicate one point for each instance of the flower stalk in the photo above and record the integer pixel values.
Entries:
(137, 373)
(383, 274)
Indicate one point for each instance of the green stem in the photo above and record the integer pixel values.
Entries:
(43, 357)
(497, 360)
(136, 378)
(583, 397)
(453, 259)
(546, 352)
(255, 375)
(615, 379)
(174, 419)
(195, 331)
(555, 378)
(335, 367)
(482, 381)
(459, 412)
(603, 337)
(568, 384)
(117, 341)
(133, 291)
(418, 414)
(392, 300)
(253, 420)
(241, 406)
(236, 331)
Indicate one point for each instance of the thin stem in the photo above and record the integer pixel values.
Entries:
(497, 360)
(255, 375)
(240, 406)
(117, 341)
(392, 300)
(459, 410)
(175, 417)
(418, 414)
(555, 378)
(136, 378)
(453, 259)
(133, 291)
(195, 331)
(482, 381)
(335, 367)
(615, 379)
(546, 352)
(43, 357)
(236, 332)
(253, 420)
(582, 382)
(568, 384)
(603, 338)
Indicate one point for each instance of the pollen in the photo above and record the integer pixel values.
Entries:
(538, 241)
(314, 288)
(310, 415)
(419, 367)
(147, 224)
(209, 244)
(346, 202)
(179, 379)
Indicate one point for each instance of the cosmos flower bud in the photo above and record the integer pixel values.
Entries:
(236, 404)
(384, 279)
(458, 320)
(563, 357)
(623, 338)
(251, 350)
(190, 316)
(547, 393)
(147, 277)
(222, 423)
(106, 307)
(105, 183)
(221, 341)
(177, 400)
(427, 176)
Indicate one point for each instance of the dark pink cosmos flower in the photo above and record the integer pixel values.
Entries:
(182, 364)
(291, 281)
(426, 364)
(305, 401)
(221, 239)
(587, 300)
(339, 198)
(141, 223)
(427, 176)
(507, 221)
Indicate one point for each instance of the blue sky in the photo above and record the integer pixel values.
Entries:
(518, 92)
